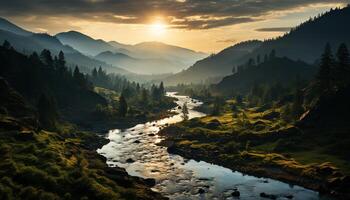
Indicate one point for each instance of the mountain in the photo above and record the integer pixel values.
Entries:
(304, 42)
(28, 42)
(214, 66)
(307, 41)
(137, 65)
(158, 57)
(283, 71)
(6, 25)
(84, 43)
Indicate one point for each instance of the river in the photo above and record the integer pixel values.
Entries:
(136, 150)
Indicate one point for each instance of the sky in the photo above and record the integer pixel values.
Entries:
(202, 25)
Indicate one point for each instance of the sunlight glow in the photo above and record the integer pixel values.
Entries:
(158, 28)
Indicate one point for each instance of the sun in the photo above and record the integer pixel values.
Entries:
(158, 28)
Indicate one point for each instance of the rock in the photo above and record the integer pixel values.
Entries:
(201, 191)
(271, 115)
(150, 182)
(140, 133)
(137, 142)
(213, 124)
(151, 134)
(179, 107)
(268, 196)
(132, 129)
(289, 196)
(236, 193)
(154, 125)
(130, 160)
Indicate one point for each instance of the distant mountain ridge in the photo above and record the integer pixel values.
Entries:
(164, 58)
(305, 42)
(27, 42)
(215, 66)
(283, 71)
(138, 65)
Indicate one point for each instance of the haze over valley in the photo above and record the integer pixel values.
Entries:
(174, 99)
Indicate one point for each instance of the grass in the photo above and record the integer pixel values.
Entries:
(260, 141)
(51, 165)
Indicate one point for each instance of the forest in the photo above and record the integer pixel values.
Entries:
(88, 118)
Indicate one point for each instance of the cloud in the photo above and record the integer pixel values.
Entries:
(187, 14)
(274, 29)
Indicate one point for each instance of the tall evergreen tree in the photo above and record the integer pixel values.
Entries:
(324, 73)
(6, 45)
(123, 106)
(185, 112)
(61, 59)
(272, 54)
(342, 69)
(46, 57)
(47, 112)
(161, 89)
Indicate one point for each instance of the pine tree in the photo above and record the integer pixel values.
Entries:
(324, 73)
(47, 112)
(6, 45)
(161, 89)
(76, 74)
(46, 57)
(61, 59)
(272, 54)
(94, 73)
(297, 107)
(185, 112)
(123, 106)
(144, 97)
(342, 69)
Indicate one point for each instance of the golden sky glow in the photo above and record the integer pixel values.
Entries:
(160, 27)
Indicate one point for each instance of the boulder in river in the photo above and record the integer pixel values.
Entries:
(236, 193)
(150, 182)
(201, 191)
(268, 196)
(130, 160)
(151, 134)
(137, 142)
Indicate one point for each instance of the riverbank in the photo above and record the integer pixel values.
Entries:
(263, 154)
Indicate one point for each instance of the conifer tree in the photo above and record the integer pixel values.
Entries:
(47, 112)
(185, 112)
(123, 106)
(342, 68)
(46, 57)
(6, 45)
(324, 73)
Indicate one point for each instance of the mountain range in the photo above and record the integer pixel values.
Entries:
(88, 53)
(143, 58)
(305, 42)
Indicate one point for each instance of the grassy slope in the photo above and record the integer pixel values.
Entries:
(255, 142)
(37, 164)
(108, 118)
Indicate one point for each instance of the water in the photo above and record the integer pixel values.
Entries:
(136, 150)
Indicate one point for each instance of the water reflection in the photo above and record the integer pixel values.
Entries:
(136, 150)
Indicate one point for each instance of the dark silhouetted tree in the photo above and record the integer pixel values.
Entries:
(61, 59)
(46, 57)
(185, 112)
(6, 45)
(342, 68)
(94, 73)
(161, 89)
(123, 106)
(47, 111)
(272, 54)
(324, 74)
